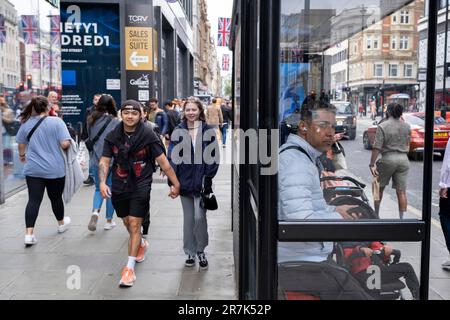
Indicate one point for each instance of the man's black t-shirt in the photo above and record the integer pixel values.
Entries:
(142, 161)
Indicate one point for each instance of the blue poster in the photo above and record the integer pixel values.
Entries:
(292, 87)
(90, 46)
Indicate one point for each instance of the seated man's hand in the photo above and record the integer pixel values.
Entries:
(343, 211)
(338, 136)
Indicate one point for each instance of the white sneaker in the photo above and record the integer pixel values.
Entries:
(63, 228)
(109, 226)
(30, 239)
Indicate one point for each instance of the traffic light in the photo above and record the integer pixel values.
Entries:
(29, 82)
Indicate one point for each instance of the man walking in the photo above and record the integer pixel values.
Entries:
(84, 136)
(134, 147)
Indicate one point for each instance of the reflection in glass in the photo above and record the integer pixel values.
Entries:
(354, 271)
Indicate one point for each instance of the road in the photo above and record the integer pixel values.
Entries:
(358, 163)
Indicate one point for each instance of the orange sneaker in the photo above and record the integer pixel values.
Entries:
(128, 278)
(141, 252)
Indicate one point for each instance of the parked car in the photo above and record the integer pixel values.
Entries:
(345, 118)
(417, 122)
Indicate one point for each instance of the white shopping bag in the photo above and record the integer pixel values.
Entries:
(83, 159)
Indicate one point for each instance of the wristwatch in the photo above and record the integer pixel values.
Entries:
(371, 165)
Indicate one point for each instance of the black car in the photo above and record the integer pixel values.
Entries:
(345, 118)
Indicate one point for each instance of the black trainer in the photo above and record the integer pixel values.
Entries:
(190, 261)
(89, 181)
(202, 262)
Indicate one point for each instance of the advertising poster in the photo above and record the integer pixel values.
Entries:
(139, 52)
(90, 45)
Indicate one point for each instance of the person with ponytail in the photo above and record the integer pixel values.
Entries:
(101, 121)
(392, 142)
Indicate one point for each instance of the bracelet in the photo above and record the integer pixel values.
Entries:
(371, 165)
(21, 155)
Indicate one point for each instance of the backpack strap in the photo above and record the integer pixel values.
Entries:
(98, 135)
(35, 127)
(299, 149)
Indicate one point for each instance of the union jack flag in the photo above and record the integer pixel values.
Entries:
(224, 32)
(30, 29)
(226, 62)
(36, 60)
(50, 60)
(2, 29)
(54, 30)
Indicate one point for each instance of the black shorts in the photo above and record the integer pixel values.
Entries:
(136, 204)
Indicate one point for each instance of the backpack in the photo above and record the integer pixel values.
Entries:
(173, 119)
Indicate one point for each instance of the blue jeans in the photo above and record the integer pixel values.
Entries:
(223, 130)
(98, 200)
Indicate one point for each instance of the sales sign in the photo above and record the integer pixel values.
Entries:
(138, 51)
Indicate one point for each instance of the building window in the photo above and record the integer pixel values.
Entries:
(378, 70)
(394, 42)
(403, 42)
(393, 70)
(394, 19)
(404, 17)
(369, 43)
(375, 43)
(408, 71)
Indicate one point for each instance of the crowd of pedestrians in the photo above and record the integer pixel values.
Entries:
(126, 146)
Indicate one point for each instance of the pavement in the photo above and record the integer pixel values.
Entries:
(80, 264)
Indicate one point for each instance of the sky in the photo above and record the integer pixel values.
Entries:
(216, 9)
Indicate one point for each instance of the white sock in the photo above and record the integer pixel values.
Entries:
(95, 213)
(131, 262)
(402, 214)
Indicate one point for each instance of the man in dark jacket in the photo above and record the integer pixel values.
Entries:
(134, 147)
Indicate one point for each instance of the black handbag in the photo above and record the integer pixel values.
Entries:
(12, 127)
(208, 200)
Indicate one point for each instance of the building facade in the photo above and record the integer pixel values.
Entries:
(379, 57)
(9, 50)
(206, 66)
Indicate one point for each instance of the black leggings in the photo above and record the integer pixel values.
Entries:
(36, 187)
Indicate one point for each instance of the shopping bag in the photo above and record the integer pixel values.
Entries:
(376, 188)
(83, 159)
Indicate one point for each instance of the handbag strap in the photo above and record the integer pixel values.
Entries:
(35, 127)
(98, 135)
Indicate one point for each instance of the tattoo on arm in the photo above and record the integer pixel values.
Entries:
(102, 172)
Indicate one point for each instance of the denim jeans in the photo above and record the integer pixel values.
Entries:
(224, 132)
(98, 200)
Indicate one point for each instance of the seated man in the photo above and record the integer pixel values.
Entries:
(301, 197)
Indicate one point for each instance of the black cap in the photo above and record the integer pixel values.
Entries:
(135, 105)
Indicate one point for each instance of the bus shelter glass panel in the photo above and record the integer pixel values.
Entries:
(30, 65)
(352, 125)
(370, 270)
